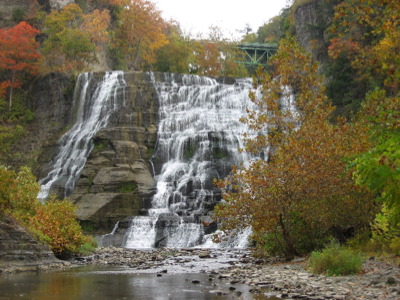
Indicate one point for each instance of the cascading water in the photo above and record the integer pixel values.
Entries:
(94, 102)
(199, 137)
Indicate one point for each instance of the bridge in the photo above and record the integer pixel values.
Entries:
(257, 53)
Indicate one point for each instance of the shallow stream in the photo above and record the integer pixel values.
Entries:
(109, 282)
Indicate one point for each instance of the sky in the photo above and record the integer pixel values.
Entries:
(196, 16)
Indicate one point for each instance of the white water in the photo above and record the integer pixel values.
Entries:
(199, 137)
(93, 112)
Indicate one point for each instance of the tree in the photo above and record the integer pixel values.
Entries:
(372, 29)
(295, 197)
(367, 34)
(55, 223)
(73, 38)
(140, 32)
(216, 56)
(18, 55)
(178, 55)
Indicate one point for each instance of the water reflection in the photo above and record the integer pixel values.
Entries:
(95, 282)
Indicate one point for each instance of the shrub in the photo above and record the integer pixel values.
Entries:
(53, 222)
(89, 246)
(335, 261)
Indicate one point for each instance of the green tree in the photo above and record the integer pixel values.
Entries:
(379, 168)
(178, 55)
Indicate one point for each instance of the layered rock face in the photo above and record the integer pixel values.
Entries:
(19, 249)
(311, 21)
(9, 9)
(117, 179)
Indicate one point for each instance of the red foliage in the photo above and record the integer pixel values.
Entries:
(18, 53)
(342, 47)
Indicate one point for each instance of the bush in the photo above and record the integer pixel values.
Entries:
(335, 261)
(53, 222)
(89, 246)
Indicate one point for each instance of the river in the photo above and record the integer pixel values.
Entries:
(110, 282)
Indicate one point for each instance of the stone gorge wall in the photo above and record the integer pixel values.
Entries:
(117, 180)
(7, 9)
(311, 21)
(19, 251)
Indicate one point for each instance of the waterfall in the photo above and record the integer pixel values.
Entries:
(94, 102)
(199, 137)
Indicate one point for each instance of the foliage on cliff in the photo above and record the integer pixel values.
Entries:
(73, 38)
(52, 222)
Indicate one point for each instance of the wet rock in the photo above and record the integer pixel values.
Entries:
(204, 254)
(391, 280)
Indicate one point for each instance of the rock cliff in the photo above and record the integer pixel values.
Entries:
(9, 10)
(50, 99)
(20, 252)
(117, 180)
(311, 21)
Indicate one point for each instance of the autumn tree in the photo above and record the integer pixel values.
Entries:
(219, 57)
(365, 40)
(19, 56)
(300, 192)
(73, 38)
(366, 34)
(139, 34)
(178, 55)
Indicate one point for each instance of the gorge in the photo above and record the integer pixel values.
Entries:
(143, 152)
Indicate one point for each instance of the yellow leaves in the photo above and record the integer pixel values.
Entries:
(140, 32)
(73, 37)
(96, 25)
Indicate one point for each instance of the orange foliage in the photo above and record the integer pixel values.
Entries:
(55, 222)
(340, 47)
(374, 27)
(96, 25)
(140, 32)
(209, 60)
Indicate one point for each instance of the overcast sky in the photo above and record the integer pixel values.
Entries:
(196, 16)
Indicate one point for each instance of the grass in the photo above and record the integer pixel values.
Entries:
(335, 261)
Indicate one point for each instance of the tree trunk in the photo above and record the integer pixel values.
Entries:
(290, 250)
(11, 91)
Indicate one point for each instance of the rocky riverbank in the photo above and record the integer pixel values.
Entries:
(290, 280)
